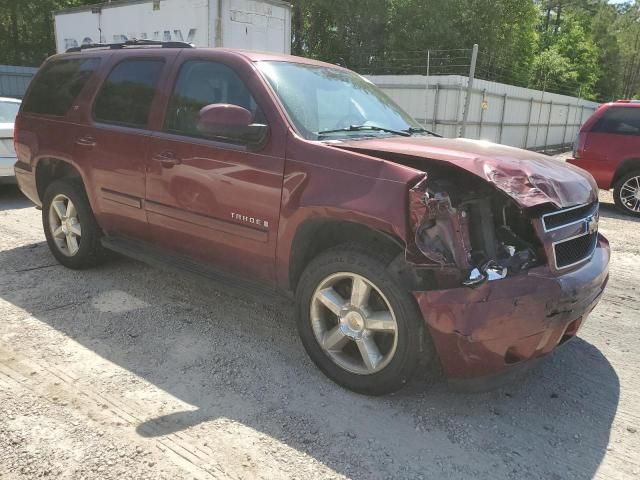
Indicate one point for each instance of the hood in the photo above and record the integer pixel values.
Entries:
(529, 178)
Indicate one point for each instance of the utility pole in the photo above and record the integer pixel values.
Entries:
(467, 100)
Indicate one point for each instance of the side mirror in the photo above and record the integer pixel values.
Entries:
(232, 123)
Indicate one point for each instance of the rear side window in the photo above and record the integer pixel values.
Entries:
(619, 120)
(126, 95)
(58, 84)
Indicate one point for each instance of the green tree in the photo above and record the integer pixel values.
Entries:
(550, 69)
(628, 32)
(26, 29)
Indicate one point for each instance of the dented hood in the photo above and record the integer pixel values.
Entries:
(529, 178)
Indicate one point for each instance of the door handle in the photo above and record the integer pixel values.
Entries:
(167, 159)
(86, 141)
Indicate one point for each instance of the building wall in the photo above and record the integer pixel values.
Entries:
(15, 80)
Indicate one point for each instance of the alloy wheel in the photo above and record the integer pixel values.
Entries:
(65, 225)
(630, 194)
(353, 323)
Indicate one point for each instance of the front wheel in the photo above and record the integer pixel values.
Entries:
(358, 325)
(626, 193)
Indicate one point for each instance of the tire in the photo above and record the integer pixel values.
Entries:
(623, 188)
(84, 228)
(344, 361)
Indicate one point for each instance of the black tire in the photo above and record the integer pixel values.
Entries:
(90, 252)
(411, 337)
(617, 190)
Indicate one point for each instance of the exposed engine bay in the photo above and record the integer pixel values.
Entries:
(465, 225)
(475, 211)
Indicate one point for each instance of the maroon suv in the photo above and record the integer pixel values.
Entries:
(297, 176)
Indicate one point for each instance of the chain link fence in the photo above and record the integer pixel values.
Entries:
(465, 92)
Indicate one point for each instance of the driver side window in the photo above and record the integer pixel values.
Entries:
(201, 83)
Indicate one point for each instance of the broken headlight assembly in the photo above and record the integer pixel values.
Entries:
(472, 228)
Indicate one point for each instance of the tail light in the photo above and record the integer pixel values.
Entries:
(16, 130)
(578, 145)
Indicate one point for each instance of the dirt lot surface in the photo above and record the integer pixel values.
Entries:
(127, 371)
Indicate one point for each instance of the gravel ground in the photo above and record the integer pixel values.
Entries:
(125, 371)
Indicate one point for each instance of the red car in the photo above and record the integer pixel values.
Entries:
(289, 175)
(608, 147)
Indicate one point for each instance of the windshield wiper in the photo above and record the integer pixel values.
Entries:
(364, 128)
(412, 130)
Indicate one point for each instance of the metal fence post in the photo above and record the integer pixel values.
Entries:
(566, 124)
(484, 99)
(504, 108)
(528, 126)
(467, 100)
(435, 108)
(546, 135)
(428, 64)
(426, 89)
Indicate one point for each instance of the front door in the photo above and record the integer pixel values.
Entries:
(209, 199)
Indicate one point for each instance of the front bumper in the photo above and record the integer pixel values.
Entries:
(497, 328)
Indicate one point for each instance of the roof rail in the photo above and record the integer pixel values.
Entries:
(131, 43)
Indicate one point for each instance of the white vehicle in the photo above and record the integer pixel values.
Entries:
(8, 110)
(253, 25)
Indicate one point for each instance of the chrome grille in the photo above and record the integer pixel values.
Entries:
(574, 250)
(574, 232)
(569, 216)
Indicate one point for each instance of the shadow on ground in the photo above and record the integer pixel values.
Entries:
(609, 210)
(239, 359)
(11, 198)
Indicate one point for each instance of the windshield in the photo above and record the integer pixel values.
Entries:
(8, 111)
(320, 100)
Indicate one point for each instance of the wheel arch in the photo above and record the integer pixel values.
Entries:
(315, 236)
(50, 169)
(625, 167)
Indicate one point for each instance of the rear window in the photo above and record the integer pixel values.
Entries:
(619, 120)
(126, 95)
(8, 111)
(58, 84)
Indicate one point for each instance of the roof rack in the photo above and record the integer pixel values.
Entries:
(131, 43)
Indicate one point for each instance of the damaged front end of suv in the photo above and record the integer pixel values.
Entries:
(509, 241)
(472, 232)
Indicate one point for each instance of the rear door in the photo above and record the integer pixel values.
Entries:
(206, 197)
(115, 140)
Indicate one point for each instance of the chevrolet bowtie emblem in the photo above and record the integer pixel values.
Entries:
(591, 223)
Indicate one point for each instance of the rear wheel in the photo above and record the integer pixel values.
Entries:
(360, 327)
(626, 193)
(71, 230)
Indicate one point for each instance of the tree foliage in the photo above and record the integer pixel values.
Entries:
(26, 29)
(589, 48)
